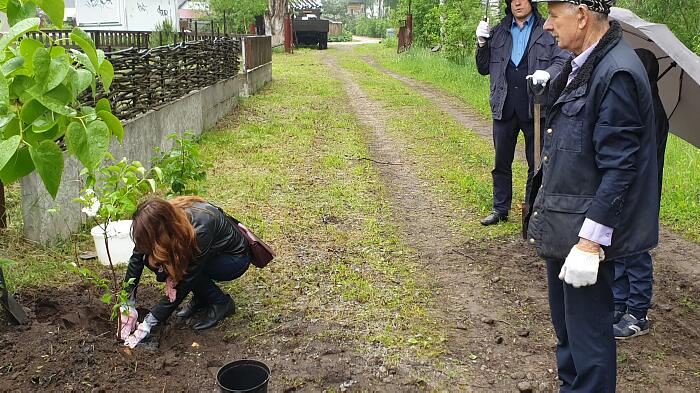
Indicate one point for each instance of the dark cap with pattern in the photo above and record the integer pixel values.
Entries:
(602, 6)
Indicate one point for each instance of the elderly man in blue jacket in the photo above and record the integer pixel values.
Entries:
(517, 49)
(595, 198)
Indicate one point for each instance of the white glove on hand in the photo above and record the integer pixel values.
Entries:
(142, 331)
(483, 31)
(539, 77)
(127, 317)
(581, 268)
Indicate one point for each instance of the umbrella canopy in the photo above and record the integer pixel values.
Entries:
(679, 83)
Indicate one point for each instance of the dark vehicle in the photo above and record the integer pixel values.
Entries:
(309, 28)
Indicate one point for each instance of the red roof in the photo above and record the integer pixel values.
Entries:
(190, 14)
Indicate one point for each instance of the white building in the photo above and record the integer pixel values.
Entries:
(134, 15)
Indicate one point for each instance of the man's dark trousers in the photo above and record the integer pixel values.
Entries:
(505, 137)
(582, 319)
(515, 117)
(633, 283)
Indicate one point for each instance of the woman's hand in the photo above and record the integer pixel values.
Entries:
(141, 331)
(170, 290)
(127, 317)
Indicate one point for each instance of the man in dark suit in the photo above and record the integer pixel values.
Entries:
(595, 197)
(517, 48)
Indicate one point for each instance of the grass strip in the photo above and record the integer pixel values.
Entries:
(455, 160)
(680, 204)
(282, 166)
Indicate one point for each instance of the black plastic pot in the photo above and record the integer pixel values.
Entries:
(243, 376)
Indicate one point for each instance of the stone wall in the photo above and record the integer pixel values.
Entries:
(47, 220)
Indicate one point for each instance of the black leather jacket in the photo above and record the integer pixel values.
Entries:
(216, 234)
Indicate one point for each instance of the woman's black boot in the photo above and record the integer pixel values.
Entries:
(216, 313)
(191, 308)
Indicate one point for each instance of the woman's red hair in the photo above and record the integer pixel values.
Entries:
(162, 231)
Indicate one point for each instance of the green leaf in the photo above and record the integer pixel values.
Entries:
(106, 74)
(78, 80)
(34, 138)
(152, 183)
(48, 160)
(86, 43)
(16, 31)
(45, 122)
(8, 148)
(20, 165)
(57, 51)
(58, 70)
(98, 137)
(12, 65)
(42, 63)
(57, 100)
(114, 124)
(54, 9)
(103, 105)
(83, 60)
(76, 141)
(4, 91)
(5, 120)
(106, 298)
(27, 48)
(16, 11)
(31, 110)
(89, 145)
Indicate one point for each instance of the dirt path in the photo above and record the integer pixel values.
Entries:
(683, 254)
(495, 349)
(491, 296)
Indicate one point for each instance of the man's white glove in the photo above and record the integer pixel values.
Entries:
(483, 32)
(539, 77)
(581, 268)
(141, 331)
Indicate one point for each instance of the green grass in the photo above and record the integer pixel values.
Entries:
(281, 167)
(680, 205)
(455, 160)
(459, 80)
(680, 202)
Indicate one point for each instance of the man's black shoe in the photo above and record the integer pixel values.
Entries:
(191, 308)
(216, 313)
(494, 218)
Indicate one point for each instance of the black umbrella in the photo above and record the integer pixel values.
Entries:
(679, 78)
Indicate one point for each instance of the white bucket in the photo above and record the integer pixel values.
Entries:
(120, 244)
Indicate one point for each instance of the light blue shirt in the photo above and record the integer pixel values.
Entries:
(520, 38)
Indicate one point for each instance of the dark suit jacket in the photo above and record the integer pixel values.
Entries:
(542, 53)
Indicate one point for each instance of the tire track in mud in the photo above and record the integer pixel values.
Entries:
(487, 348)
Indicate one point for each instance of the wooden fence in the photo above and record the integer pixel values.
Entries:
(109, 40)
(146, 79)
(106, 40)
(258, 51)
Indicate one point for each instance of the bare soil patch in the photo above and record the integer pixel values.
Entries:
(71, 346)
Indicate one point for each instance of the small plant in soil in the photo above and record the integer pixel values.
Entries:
(183, 167)
(112, 193)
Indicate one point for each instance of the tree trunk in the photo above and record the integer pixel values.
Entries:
(274, 20)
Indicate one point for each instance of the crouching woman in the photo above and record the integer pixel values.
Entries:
(189, 244)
